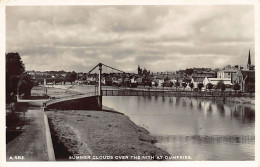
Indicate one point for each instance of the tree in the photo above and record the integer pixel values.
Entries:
(171, 84)
(177, 84)
(71, 77)
(14, 69)
(189, 71)
(191, 85)
(236, 87)
(221, 86)
(145, 72)
(184, 85)
(25, 85)
(209, 86)
(155, 84)
(227, 67)
(163, 84)
(200, 86)
(149, 83)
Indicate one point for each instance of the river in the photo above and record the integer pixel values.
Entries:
(202, 129)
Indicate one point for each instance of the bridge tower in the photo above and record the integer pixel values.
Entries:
(99, 87)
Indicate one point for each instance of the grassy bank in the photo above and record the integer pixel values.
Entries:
(100, 133)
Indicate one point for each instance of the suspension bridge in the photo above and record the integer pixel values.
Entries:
(91, 99)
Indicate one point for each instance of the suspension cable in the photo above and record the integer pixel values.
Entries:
(86, 75)
(113, 68)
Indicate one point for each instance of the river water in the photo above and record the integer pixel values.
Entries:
(202, 129)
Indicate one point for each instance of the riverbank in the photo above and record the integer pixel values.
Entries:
(241, 100)
(97, 133)
(93, 134)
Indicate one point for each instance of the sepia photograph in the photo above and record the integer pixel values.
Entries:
(130, 83)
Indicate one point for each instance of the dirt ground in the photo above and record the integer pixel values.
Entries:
(101, 133)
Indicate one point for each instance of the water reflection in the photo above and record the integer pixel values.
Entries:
(170, 101)
(191, 104)
(244, 113)
(220, 109)
(177, 101)
(210, 108)
(249, 115)
(204, 129)
(184, 103)
(198, 139)
(163, 99)
(199, 106)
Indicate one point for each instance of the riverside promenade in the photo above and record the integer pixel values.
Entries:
(28, 135)
(29, 140)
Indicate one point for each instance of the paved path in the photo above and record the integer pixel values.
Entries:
(31, 144)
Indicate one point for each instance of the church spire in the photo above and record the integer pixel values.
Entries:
(249, 59)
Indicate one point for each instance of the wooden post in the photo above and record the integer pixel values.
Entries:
(99, 87)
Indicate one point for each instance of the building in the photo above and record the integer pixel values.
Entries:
(107, 80)
(133, 80)
(204, 72)
(196, 81)
(230, 73)
(214, 81)
(198, 70)
(246, 77)
(246, 80)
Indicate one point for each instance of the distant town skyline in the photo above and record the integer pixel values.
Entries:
(159, 38)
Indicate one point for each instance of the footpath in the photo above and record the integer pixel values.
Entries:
(32, 142)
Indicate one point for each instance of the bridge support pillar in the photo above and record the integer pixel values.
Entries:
(99, 99)
(99, 88)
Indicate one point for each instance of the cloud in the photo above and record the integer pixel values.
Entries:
(159, 38)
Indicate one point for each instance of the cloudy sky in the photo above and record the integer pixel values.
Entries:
(160, 38)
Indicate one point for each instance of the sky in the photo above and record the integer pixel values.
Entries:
(159, 38)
